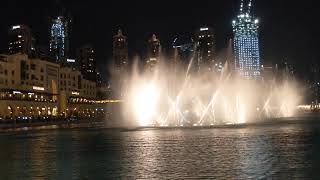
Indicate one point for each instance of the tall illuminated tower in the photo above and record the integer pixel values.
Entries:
(59, 38)
(246, 43)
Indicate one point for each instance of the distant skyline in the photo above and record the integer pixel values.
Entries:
(288, 29)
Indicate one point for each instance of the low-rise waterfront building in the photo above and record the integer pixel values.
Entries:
(33, 88)
(28, 87)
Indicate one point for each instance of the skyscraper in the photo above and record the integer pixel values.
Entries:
(205, 49)
(153, 53)
(120, 51)
(120, 58)
(86, 57)
(59, 38)
(246, 43)
(20, 40)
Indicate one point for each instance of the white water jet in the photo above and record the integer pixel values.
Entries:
(178, 97)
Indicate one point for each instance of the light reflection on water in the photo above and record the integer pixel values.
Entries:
(273, 151)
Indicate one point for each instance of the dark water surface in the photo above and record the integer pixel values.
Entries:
(278, 151)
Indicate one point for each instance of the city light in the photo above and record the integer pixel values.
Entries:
(246, 45)
(38, 88)
(16, 92)
(75, 93)
(71, 60)
(16, 27)
(59, 37)
(195, 94)
(204, 29)
(159, 90)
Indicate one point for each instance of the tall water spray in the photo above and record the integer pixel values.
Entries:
(174, 96)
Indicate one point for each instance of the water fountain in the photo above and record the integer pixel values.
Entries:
(169, 96)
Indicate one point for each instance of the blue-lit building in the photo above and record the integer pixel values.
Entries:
(246, 43)
(59, 39)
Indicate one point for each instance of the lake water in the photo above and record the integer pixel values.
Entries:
(278, 151)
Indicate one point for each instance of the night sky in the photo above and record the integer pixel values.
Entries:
(288, 29)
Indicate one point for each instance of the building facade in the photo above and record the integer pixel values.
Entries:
(205, 49)
(246, 43)
(86, 58)
(31, 88)
(76, 92)
(20, 40)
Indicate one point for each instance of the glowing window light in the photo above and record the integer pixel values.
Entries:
(38, 88)
(204, 29)
(75, 93)
(16, 92)
(16, 27)
(71, 60)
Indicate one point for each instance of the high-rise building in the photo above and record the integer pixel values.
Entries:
(205, 49)
(153, 53)
(20, 40)
(86, 56)
(246, 43)
(120, 51)
(120, 69)
(59, 38)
